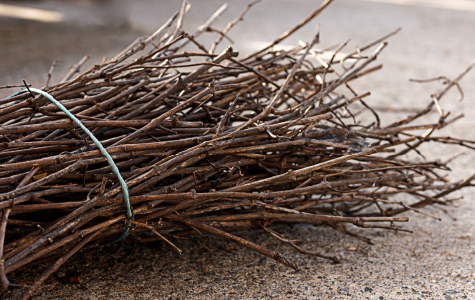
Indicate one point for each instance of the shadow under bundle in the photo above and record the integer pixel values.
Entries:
(206, 144)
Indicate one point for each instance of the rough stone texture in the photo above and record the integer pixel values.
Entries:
(436, 262)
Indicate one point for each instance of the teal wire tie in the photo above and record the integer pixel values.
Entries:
(125, 190)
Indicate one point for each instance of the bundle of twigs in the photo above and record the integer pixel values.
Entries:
(208, 144)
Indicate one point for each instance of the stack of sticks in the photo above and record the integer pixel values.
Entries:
(208, 144)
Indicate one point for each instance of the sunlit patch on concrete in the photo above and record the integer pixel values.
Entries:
(27, 13)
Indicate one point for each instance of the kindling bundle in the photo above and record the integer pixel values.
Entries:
(209, 144)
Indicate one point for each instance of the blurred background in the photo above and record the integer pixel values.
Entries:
(436, 37)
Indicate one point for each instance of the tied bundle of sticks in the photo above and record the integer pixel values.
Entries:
(208, 144)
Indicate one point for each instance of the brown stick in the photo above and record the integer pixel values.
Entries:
(269, 253)
(3, 227)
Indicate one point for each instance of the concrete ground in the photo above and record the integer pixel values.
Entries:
(437, 261)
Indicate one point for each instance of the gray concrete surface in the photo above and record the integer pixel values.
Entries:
(436, 262)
